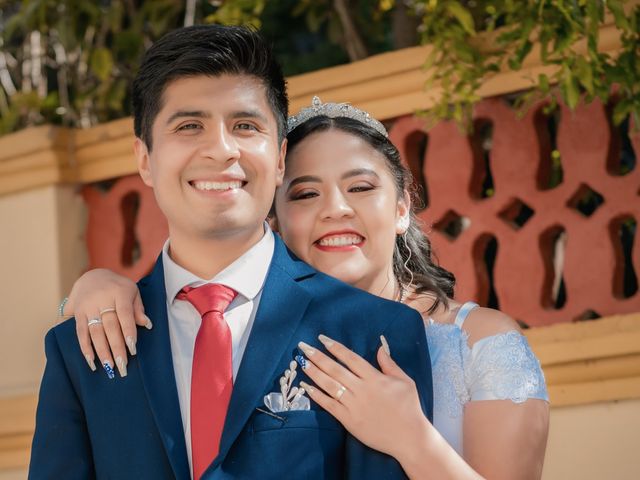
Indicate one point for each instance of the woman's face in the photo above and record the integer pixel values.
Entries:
(338, 209)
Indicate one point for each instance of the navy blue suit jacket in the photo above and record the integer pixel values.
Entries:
(88, 426)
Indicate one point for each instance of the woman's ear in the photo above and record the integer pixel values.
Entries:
(403, 213)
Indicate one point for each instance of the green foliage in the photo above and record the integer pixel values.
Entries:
(72, 61)
(460, 62)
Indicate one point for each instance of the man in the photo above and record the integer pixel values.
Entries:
(210, 107)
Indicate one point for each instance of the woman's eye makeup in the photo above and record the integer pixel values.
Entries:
(361, 187)
(302, 194)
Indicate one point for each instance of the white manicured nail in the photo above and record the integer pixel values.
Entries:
(122, 367)
(385, 345)
(90, 362)
(326, 341)
(131, 343)
(307, 349)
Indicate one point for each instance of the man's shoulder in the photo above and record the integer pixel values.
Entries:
(327, 289)
(63, 334)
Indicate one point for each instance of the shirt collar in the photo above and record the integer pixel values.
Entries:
(246, 275)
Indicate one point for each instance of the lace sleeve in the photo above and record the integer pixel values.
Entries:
(503, 367)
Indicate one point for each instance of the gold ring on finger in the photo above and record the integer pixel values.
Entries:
(107, 310)
(94, 321)
(340, 392)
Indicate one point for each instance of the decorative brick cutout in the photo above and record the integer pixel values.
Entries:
(516, 214)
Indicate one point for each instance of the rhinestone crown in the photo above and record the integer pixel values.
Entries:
(334, 110)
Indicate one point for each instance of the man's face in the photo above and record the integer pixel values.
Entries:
(215, 160)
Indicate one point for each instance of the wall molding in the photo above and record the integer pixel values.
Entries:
(584, 363)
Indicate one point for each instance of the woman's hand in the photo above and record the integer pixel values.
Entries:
(115, 301)
(381, 409)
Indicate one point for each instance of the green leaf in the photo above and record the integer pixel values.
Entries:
(616, 7)
(584, 74)
(463, 16)
(621, 111)
(101, 63)
(570, 88)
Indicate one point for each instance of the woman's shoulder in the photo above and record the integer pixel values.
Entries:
(482, 322)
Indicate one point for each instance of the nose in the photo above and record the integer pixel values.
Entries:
(220, 145)
(336, 206)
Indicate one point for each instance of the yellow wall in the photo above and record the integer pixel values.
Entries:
(594, 442)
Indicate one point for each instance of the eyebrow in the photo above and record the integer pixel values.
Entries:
(249, 114)
(313, 179)
(188, 113)
(303, 179)
(360, 171)
(202, 114)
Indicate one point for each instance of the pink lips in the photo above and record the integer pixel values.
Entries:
(340, 241)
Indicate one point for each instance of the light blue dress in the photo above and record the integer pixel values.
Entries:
(498, 367)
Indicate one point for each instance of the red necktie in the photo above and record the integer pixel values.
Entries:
(212, 372)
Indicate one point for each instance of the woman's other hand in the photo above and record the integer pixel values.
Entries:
(103, 295)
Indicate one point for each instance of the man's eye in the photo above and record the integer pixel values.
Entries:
(189, 126)
(245, 126)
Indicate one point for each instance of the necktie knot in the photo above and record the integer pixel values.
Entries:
(210, 297)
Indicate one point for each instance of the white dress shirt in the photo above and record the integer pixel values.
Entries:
(246, 276)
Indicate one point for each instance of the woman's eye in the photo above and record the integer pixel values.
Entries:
(361, 188)
(303, 195)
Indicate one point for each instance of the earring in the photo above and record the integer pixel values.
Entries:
(403, 224)
(406, 262)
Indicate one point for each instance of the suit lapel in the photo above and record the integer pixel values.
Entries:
(156, 367)
(282, 307)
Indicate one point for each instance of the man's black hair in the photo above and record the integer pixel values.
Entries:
(211, 50)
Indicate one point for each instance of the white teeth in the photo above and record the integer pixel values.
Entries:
(340, 240)
(218, 186)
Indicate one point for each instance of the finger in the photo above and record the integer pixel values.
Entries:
(329, 366)
(84, 339)
(138, 313)
(330, 386)
(67, 306)
(353, 361)
(335, 408)
(389, 366)
(101, 346)
(115, 337)
(125, 316)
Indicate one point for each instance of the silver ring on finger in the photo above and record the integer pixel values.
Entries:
(340, 392)
(107, 310)
(94, 321)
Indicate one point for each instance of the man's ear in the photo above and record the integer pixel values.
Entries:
(142, 158)
(403, 211)
(280, 165)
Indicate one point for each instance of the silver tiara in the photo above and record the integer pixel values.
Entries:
(334, 110)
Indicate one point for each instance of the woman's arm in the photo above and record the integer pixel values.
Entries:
(115, 301)
(382, 410)
(507, 420)
(506, 440)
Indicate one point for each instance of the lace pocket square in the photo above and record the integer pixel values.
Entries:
(290, 397)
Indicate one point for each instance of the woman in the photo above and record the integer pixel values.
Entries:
(344, 208)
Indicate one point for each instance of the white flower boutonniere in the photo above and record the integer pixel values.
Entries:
(289, 397)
